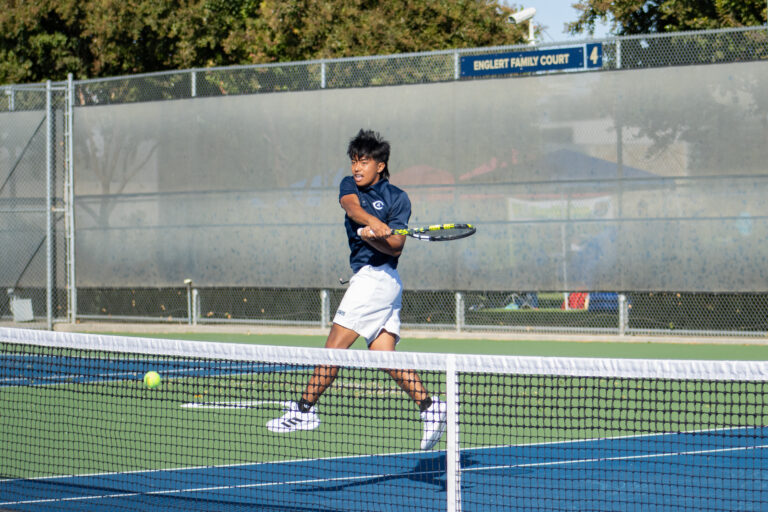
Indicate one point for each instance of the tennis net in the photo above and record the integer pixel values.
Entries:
(80, 430)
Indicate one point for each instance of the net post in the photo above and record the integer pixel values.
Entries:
(459, 311)
(452, 454)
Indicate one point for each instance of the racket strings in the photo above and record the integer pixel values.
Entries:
(452, 233)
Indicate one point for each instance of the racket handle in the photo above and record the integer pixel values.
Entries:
(360, 231)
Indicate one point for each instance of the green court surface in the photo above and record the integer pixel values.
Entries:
(707, 349)
(103, 427)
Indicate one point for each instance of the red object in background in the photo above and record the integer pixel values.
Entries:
(576, 300)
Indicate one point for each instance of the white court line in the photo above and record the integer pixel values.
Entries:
(352, 457)
(374, 476)
(209, 489)
(610, 459)
(243, 404)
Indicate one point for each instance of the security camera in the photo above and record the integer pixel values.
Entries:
(521, 16)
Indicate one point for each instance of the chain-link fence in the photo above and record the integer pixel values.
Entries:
(606, 313)
(622, 200)
(33, 212)
(628, 52)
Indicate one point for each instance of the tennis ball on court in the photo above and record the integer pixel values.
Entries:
(152, 379)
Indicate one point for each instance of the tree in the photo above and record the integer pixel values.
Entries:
(48, 39)
(95, 38)
(310, 29)
(649, 16)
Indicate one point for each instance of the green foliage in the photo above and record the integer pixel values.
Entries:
(303, 29)
(649, 16)
(48, 39)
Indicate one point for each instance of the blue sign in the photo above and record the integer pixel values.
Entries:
(534, 61)
(594, 55)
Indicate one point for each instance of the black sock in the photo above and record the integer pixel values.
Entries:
(304, 406)
(424, 404)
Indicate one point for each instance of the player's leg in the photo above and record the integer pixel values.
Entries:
(323, 376)
(431, 409)
(301, 415)
(408, 380)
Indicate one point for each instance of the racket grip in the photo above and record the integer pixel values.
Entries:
(359, 231)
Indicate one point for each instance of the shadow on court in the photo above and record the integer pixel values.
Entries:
(429, 471)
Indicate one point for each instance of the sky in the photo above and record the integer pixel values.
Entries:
(554, 14)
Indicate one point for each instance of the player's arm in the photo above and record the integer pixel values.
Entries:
(392, 245)
(377, 234)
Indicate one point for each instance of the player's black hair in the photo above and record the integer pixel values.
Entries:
(371, 144)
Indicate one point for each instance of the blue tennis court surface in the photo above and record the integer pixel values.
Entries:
(669, 472)
(34, 369)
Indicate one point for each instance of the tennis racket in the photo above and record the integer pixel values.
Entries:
(436, 233)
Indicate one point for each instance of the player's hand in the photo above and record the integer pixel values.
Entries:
(376, 231)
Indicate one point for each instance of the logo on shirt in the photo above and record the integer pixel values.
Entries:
(379, 205)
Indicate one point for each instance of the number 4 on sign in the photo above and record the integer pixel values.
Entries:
(594, 55)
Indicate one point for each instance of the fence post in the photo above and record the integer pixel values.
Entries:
(623, 314)
(195, 306)
(69, 199)
(11, 98)
(50, 286)
(456, 74)
(459, 311)
(322, 74)
(188, 284)
(325, 308)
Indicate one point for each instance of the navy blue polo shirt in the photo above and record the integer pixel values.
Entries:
(388, 204)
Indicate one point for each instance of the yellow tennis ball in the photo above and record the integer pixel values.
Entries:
(152, 379)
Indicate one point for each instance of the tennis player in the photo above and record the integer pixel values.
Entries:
(371, 306)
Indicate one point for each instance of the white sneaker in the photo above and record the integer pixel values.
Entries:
(434, 423)
(293, 420)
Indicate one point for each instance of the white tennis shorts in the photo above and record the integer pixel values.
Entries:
(372, 303)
